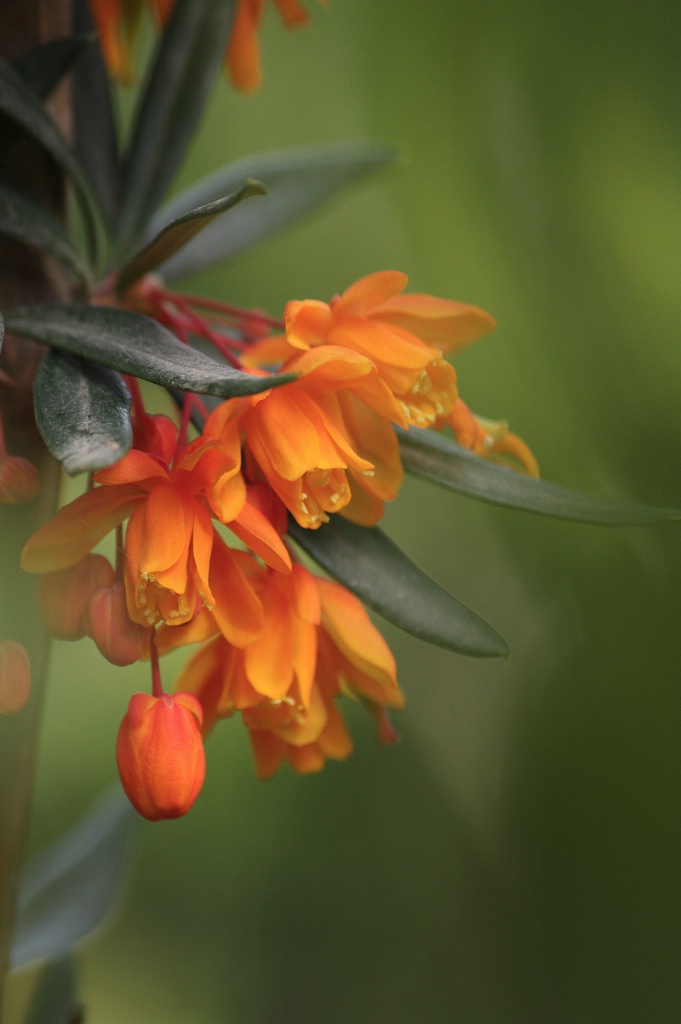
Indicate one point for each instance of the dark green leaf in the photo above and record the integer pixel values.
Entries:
(24, 220)
(296, 181)
(187, 61)
(82, 411)
(2, 331)
(443, 462)
(54, 999)
(177, 234)
(369, 564)
(19, 102)
(67, 890)
(44, 66)
(95, 128)
(136, 345)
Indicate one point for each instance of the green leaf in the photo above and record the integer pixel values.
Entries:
(136, 345)
(67, 890)
(95, 129)
(19, 102)
(82, 411)
(44, 66)
(2, 330)
(178, 233)
(443, 462)
(369, 564)
(54, 999)
(296, 181)
(24, 220)
(188, 58)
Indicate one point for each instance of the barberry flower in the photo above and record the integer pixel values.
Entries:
(171, 546)
(404, 335)
(322, 440)
(317, 644)
(160, 756)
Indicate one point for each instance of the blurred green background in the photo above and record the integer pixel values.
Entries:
(516, 857)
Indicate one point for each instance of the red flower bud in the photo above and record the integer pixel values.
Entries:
(15, 677)
(63, 595)
(19, 480)
(118, 638)
(160, 754)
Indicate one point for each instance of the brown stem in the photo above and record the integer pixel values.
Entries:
(25, 276)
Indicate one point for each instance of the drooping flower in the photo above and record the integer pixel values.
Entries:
(316, 645)
(323, 441)
(175, 563)
(160, 756)
(404, 335)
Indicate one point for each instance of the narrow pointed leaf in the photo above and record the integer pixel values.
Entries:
(296, 180)
(19, 102)
(54, 999)
(368, 563)
(67, 890)
(178, 233)
(24, 220)
(443, 462)
(95, 128)
(174, 97)
(82, 411)
(44, 66)
(136, 345)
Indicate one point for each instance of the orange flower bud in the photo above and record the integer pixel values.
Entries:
(19, 480)
(118, 638)
(160, 754)
(63, 595)
(15, 677)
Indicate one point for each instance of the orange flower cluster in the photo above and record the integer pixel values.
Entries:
(279, 645)
(117, 22)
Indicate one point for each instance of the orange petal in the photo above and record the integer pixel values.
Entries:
(307, 323)
(257, 533)
(78, 527)
(243, 50)
(237, 611)
(135, 467)
(362, 296)
(442, 323)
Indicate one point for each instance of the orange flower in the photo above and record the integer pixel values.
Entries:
(160, 754)
(317, 644)
(324, 442)
(174, 561)
(117, 23)
(404, 336)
